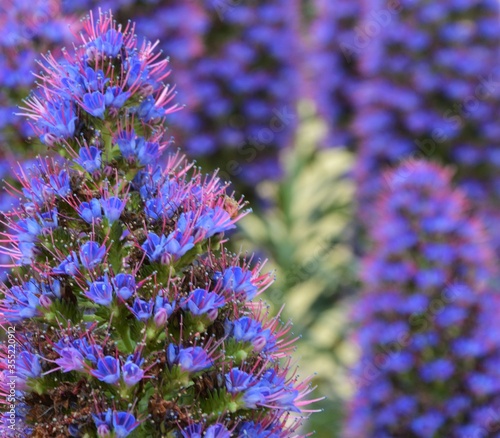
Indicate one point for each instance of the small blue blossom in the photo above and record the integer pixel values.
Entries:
(238, 281)
(113, 208)
(115, 97)
(124, 423)
(428, 424)
(214, 221)
(132, 373)
(166, 248)
(201, 302)
(108, 370)
(91, 254)
(246, 329)
(438, 370)
(60, 183)
(59, 122)
(154, 246)
(108, 44)
(49, 220)
(28, 366)
(69, 266)
(124, 285)
(142, 309)
(100, 292)
(71, 359)
(149, 111)
(191, 359)
(163, 309)
(91, 211)
(90, 159)
(94, 104)
(239, 381)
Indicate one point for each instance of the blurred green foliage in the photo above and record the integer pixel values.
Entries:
(307, 233)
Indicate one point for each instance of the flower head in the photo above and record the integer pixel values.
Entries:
(116, 297)
(108, 370)
(421, 256)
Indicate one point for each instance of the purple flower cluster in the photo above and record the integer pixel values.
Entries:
(134, 318)
(429, 89)
(331, 68)
(28, 27)
(236, 69)
(427, 327)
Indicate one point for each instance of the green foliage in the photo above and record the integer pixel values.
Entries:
(308, 234)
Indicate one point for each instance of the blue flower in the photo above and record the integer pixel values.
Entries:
(71, 359)
(124, 285)
(213, 221)
(123, 424)
(438, 370)
(163, 309)
(136, 69)
(100, 292)
(238, 381)
(60, 183)
(177, 245)
(155, 246)
(246, 329)
(59, 121)
(103, 419)
(142, 309)
(29, 230)
(90, 159)
(147, 152)
(115, 97)
(217, 431)
(38, 191)
(108, 370)
(28, 366)
(49, 220)
(191, 359)
(69, 266)
(108, 44)
(23, 302)
(132, 373)
(94, 104)
(113, 208)
(137, 148)
(27, 250)
(127, 143)
(149, 111)
(91, 211)
(428, 424)
(91, 254)
(255, 430)
(238, 281)
(168, 248)
(201, 301)
(192, 431)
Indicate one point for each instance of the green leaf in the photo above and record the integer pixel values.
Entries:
(149, 390)
(115, 255)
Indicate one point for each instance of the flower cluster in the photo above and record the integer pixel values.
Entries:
(429, 89)
(236, 68)
(28, 27)
(237, 71)
(131, 319)
(331, 66)
(428, 331)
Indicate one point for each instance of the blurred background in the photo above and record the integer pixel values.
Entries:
(305, 105)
